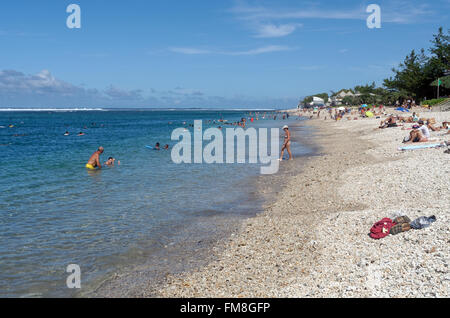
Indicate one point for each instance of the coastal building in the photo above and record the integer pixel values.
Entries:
(317, 101)
(337, 98)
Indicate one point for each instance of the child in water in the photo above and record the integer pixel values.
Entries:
(111, 162)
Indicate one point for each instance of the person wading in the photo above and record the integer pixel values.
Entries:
(286, 144)
(94, 161)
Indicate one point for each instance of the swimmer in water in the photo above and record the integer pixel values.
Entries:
(66, 133)
(81, 134)
(111, 162)
(166, 147)
(157, 146)
(94, 161)
(286, 144)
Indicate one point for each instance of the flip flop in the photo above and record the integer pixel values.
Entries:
(402, 219)
(400, 228)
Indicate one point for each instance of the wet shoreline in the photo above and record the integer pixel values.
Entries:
(195, 252)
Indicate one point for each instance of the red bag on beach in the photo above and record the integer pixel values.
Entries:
(381, 228)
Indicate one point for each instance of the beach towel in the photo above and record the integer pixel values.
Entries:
(381, 228)
(422, 146)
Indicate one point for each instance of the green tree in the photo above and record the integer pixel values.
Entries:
(411, 76)
(367, 89)
(349, 100)
(414, 76)
(441, 49)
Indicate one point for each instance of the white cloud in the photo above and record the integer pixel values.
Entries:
(311, 67)
(186, 91)
(43, 83)
(122, 94)
(393, 11)
(256, 51)
(44, 90)
(261, 50)
(274, 31)
(189, 51)
(249, 13)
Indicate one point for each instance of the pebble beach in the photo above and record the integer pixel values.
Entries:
(313, 241)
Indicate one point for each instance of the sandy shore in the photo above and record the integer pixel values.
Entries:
(313, 241)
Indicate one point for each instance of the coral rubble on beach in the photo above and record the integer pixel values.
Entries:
(313, 241)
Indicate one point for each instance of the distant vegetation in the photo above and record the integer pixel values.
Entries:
(433, 102)
(416, 78)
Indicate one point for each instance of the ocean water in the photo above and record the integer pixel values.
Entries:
(53, 212)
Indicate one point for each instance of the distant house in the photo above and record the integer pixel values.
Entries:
(339, 96)
(337, 99)
(317, 101)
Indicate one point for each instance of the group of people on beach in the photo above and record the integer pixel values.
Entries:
(339, 113)
(420, 131)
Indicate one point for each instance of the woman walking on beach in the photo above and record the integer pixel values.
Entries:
(286, 144)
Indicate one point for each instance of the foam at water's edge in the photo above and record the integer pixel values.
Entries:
(49, 109)
(131, 109)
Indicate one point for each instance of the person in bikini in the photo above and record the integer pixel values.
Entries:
(286, 144)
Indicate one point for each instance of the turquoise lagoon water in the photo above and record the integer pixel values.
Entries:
(53, 212)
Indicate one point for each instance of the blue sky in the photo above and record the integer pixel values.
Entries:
(200, 53)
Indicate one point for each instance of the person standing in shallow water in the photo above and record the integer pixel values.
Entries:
(94, 161)
(286, 144)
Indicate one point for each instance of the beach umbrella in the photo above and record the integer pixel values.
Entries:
(341, 108)
(364, 106)
(369, 114)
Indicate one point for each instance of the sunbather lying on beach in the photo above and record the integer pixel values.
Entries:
(431, 126)
(410, 119)
(389, 122)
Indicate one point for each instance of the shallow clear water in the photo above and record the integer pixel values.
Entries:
(53, 212)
